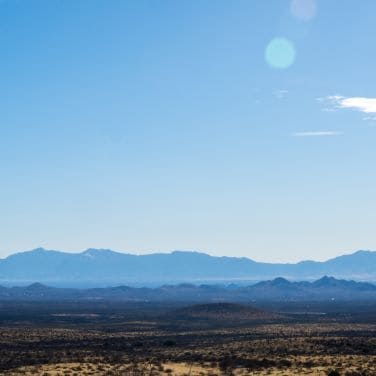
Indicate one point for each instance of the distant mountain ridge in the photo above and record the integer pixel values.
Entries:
(103, 267)
(279, 289)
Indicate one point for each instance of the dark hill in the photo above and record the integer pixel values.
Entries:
(223, 311)
(279, 289)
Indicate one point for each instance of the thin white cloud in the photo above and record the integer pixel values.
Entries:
(317, 134)
(361, 104)
(279, 94)
(370, 118)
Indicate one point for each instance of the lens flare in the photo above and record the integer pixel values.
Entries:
(280, 53)
(303, 10)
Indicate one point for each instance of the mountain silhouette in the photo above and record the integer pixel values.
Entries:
(102, 267)
(279, 289)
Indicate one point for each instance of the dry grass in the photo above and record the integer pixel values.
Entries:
(349, 365)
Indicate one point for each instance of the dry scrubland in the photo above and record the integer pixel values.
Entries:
(109, 342)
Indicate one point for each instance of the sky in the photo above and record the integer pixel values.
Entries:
(238, 128)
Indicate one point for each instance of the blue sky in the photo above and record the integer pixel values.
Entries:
(159, 125)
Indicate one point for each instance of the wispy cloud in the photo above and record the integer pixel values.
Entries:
(316, 134)
(279, 94)
(361, 104)
(371, 118)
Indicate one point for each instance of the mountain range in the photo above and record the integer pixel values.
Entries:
(101, 267)
(279, 289)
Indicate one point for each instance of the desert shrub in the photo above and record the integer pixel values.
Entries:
(285, 363)
(308, 364)
(333, 372)
(169, 343)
